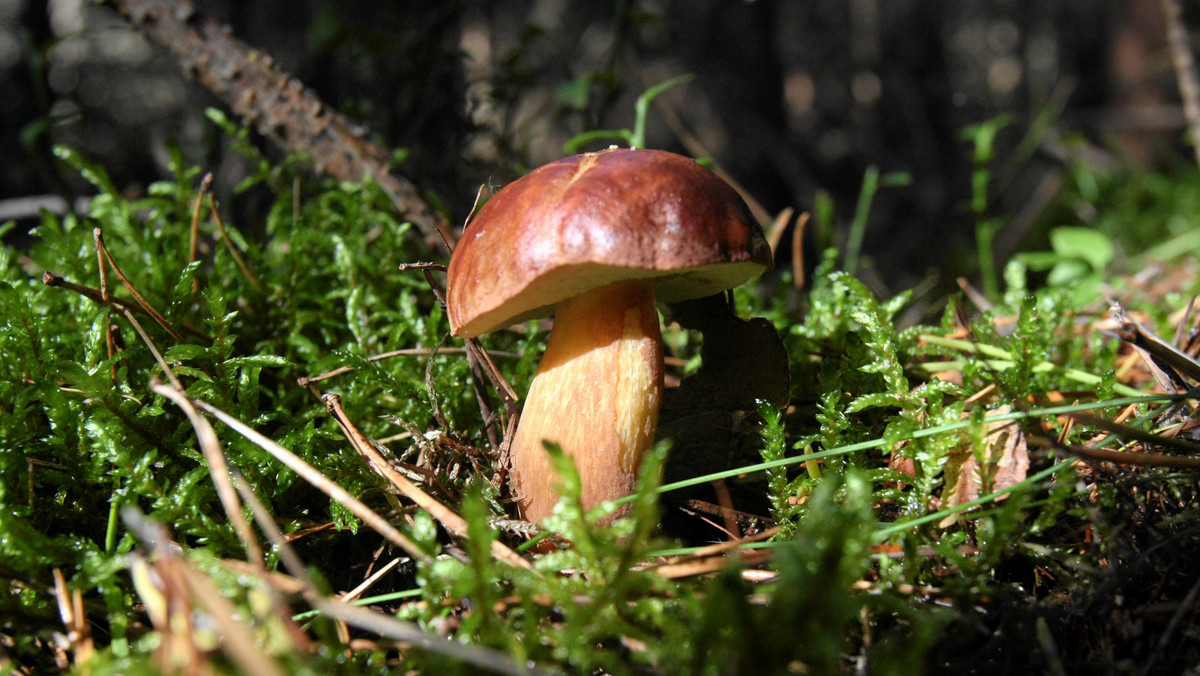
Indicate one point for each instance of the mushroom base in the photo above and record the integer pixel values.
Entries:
(596, 394)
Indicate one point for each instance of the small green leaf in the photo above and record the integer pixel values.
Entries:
(1040, 260)
(1066, 271)
(1090, 245)
(184, 352)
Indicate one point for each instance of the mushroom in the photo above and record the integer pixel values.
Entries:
(597, 239)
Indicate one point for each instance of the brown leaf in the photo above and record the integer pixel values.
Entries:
(1005, 461)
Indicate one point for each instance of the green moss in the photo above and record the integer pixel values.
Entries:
(83, 436)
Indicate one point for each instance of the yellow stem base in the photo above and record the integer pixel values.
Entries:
(596, 393)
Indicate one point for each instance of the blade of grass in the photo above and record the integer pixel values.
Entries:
(1003, 359)
(642, 106)
(878, 443)
(858, 227)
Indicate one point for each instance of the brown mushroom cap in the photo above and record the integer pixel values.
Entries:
(586, 221)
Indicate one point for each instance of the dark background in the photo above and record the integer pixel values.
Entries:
(790, 98)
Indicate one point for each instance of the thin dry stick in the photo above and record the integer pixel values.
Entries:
(179, 582)
(675, 571)
(711, 559)
(70, 610)
(218, 469)
(51, 279)
(313, 476)
(455, 523)
(725, 505)
(775, 233)
(416, 351)
(1154, 349)
(1127, 432)
(421, 265)
(798, 250)
(978, 299)
(1066, 429)
(237, 257)
(236, 639)
(99, 241)
(109, 342)
(722, 547)
(386, 626)
(162, 321)
(1133, 458)
(1185, 70)
(390, 627)
(162, 363)
(370, 581)
(483, 368)
(194, 233)
(83, 636)
(507, 393)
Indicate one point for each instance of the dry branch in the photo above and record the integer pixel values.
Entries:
(1185, 69)
(278, 105)
(319, 481)
(442, 513)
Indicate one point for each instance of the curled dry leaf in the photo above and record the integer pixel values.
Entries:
(1005, 461)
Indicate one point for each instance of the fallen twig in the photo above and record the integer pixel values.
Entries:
(712, 558)
(384, 625)
(455, 523)
(158, 317)
(52, 279)
(320, 481)
(280, 106)
(1185, 69)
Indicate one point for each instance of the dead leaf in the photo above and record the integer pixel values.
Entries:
(1005, 461)
(1166, 363)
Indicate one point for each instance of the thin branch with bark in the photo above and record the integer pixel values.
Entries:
(1185, 69)
(278, 105)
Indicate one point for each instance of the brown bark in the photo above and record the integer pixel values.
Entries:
(279, 106)
(1185, 69)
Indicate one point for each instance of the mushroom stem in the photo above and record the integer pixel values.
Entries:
(596, 394)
